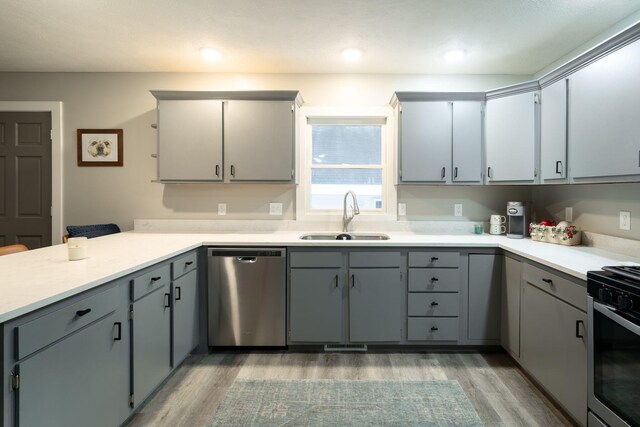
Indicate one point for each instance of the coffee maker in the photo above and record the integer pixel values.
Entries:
(518, 215)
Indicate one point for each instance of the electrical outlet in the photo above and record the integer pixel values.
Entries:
(625, 220)
(222, 208)
(457, 209)
(402, 209)
(568, 214)
(275, 208)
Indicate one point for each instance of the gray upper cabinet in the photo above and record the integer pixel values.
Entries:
(190, 140)
(511, 150)
(426, 142)
(440, 140)
(467, 142)
(259, 140)
(603, 124)
(553, 132)
(226, 136)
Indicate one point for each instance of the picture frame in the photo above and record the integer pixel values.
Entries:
(100, 147)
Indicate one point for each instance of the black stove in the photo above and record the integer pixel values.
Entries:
(617, 286)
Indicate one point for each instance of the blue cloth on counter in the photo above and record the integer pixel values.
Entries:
(90, 231)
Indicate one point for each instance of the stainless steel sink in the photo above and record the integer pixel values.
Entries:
(344, 236)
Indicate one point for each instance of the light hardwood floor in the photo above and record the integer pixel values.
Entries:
(500, 393)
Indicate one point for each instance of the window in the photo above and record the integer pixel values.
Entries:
(345, 149)
(346, 157)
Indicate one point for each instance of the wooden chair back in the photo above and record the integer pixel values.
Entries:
(12, 249)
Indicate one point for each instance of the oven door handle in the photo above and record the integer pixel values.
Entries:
(611, 314)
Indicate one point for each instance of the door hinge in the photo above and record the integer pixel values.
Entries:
(14, 381)
(130, 317)
(400, 173)
(536, 99)
(131, 401)
(293, 107)
(293, 172)
(51, 135)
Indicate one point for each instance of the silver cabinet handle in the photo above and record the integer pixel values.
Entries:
(558, 167)
(443, 173)
(233, 170)
(489, 172)
(455, 172)
(217, 170)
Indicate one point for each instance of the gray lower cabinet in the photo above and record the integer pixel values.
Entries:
(185, 316)
(150, 334)
(553, 344)
(375, 301)
(67, 364)
(315, 305)
(330, 304)
(485, 277)
(510, 306)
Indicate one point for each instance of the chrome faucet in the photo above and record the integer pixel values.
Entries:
(346, 219)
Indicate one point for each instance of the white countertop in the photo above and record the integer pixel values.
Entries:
(35, 279)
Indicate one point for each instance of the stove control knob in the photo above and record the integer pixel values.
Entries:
(624, 302)
(605, 295)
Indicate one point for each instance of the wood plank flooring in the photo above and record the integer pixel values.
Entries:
(500, 393)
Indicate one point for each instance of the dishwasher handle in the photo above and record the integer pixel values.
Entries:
(247, 259)
(247, 252)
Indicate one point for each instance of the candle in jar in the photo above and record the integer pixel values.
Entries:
(77, 247)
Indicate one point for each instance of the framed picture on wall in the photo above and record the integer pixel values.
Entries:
(100, 147)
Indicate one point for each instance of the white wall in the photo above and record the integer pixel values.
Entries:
(122, 100)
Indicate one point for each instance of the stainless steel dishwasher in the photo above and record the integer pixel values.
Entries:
(246, 296)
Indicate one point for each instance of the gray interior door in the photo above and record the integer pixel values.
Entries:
(485, 277)
(25, 179)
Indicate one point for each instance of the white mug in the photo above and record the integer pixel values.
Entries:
(498, 219)
(497, 229)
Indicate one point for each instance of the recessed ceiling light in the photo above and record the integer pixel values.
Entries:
(352, 54)
(455, 54)
(210, 54)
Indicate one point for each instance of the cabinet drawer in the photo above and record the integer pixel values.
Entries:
(49, 328)
(374, 259)
(434, 259)
(150, 281)
(564, 289)
(184, 265)
(316, 259)
(434, 280)
(432, 329)
(434, 304)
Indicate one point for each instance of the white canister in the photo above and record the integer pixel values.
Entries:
(497, 229)
(498, 219)
(77, 247)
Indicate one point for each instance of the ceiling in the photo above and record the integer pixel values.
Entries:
(299, 36)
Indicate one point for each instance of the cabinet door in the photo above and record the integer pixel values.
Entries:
(375, 305)
(553, 131)
(77, 381)
(551, 350)
(485, 276)
(185, 316)
(190, 140)
(510, 312)
(151, 344)
(426, 142)
(315, 305)
(603, 124)
(467, 141)
(510, 132)
(259, 140)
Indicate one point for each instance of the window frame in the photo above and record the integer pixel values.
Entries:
(382, 116)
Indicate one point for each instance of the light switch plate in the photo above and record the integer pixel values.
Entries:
(402, 209)
(625, 220)
(568, 214)
(222, 208)
(275, 208)
(457, 209)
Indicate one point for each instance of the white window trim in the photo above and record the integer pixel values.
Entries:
(303, 190)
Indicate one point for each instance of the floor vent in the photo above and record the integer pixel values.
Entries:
(345, 347)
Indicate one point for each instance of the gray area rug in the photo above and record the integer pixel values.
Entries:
(345, 403)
